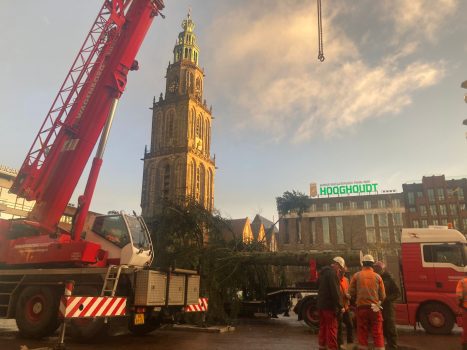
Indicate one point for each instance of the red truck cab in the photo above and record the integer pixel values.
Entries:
(431, 263)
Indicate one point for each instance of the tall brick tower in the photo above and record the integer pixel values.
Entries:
(178, 166)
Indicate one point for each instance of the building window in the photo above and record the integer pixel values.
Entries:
(424, 223)
(455, 223)
(369, 220)
(440, 192)
(326, 207)
(444, 222)
(325, 223)
(313, 231)
(453, 209)
(431, 195)
(411, 198)
(413, 209)
(339, 206)
(397, 235)
(367, 204)
(339, 230)
(397, 217)
(419, 194)
(353, 205)
(396, 203)
(422, 210)
(384, 232)
(415, 224)
(383, 220)
(433, 210)
(443, 210)
(298, 229)
(435, 222)
(313, 207)
(381, 203)
(370, 235)
(460, 194)
(464, 223)
(462, 206)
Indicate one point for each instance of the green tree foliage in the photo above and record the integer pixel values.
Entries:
(294, 201)
(187, 236)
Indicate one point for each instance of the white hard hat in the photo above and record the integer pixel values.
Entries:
(340, 261)
(368, 258)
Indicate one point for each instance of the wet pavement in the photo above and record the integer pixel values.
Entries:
(268, 334)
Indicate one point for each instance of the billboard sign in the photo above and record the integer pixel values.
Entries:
(346, 188)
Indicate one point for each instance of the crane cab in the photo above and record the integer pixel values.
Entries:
(125, 237)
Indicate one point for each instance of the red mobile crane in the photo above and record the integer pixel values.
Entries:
(111, 259)
(83, 110)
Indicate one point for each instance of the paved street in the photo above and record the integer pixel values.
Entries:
(267, 334)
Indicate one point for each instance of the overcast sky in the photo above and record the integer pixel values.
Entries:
(386, 104)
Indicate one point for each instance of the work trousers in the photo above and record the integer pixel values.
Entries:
(327, 337)
(369, 321)
(345, 319)
(389, 326)
(464, 328)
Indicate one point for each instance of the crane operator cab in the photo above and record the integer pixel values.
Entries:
(126, 238)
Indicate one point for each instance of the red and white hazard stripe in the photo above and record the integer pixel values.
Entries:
(201, 306)
(82, 307)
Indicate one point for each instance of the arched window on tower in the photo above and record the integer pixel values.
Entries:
(193, 179)
(166, 182)
(198, 127)
(193, 124)
(210, 186)
(185, 56)
(192, 83)
(198, 89)
(178, 191)
(202, 185)
(208, 138)
(170, 125)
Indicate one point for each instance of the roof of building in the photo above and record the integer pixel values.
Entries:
(235, 228)
(267, 223)
(431, 235)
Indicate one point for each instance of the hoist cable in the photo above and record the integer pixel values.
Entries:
(320, 33)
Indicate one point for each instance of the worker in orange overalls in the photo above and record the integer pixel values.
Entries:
(367, 288)
(345, 318)
(461, 292)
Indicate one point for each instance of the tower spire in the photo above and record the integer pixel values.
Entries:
(186, 47)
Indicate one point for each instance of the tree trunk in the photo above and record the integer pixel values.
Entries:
(285, 258)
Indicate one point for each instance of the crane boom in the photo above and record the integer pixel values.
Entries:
(78, 114)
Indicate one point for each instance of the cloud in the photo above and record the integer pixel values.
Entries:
(279, 85)
(423, 18)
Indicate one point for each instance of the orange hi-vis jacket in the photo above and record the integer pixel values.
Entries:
(461, 291)
(367, 287)
(345, 292)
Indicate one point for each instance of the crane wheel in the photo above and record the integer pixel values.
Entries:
(37, 311)
(84, 330)
(309, 312)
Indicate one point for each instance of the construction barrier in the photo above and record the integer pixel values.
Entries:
(201, 306)
(84, 306)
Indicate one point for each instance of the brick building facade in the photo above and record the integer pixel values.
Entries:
(371, 223)
(436, 201)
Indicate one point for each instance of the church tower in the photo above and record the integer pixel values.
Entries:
(178, 167)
